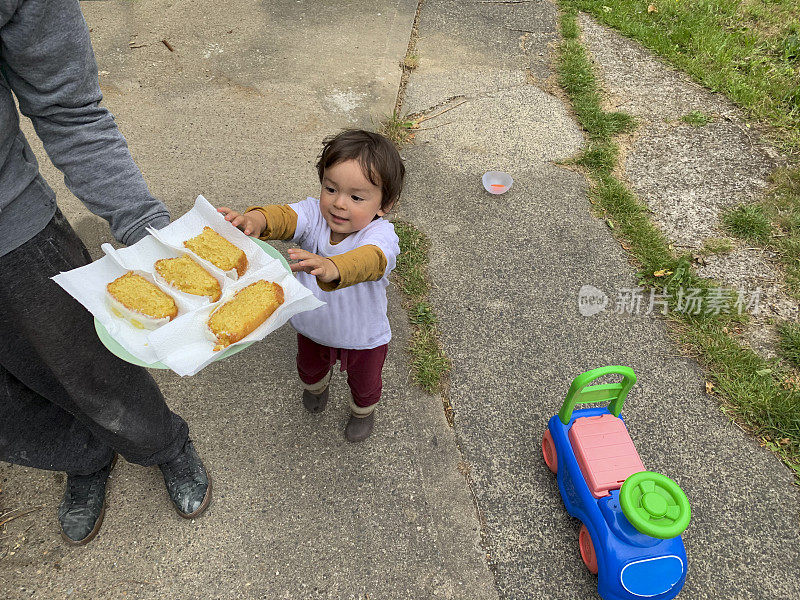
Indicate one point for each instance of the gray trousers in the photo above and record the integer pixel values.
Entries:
(66, 403)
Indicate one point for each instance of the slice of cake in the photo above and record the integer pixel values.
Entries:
(243, 313)
(140, 302)
(218, 251)
(186, 275)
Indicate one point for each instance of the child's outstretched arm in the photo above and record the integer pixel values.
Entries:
(365, 263)
(251, 223)
(324, 269)
(275, 222)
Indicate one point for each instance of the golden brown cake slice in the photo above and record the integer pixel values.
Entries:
(243, 313)
(218, 251)
(142, 303)
(186, 275)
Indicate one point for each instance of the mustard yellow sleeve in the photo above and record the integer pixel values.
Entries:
(365, 263)
(281, 221)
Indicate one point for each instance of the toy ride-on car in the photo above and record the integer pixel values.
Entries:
(632, 518)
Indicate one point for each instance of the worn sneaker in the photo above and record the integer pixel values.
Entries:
(359, 428)
(315, 403)
(187, 481)
(81, 512)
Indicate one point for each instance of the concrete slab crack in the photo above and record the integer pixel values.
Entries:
(412, 44)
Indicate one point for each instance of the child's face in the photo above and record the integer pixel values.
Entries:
(348, 200)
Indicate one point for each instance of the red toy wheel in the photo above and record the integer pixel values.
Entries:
(587, 550)
(549, 452)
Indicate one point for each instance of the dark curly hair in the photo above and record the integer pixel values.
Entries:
(379, 159)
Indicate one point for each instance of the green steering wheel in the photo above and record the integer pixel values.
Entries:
(655, 505)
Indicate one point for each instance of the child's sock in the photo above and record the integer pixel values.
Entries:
(315, 395)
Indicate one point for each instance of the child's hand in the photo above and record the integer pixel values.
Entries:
(322, 268)
(252, 223)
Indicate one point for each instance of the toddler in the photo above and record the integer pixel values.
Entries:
(346, 253)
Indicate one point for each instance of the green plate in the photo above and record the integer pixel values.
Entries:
(115, 348)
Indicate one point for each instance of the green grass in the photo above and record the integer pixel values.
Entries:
(763, 396)
(749, 222)
(782, 206)
(576, 77)
(412, 261)
(716, 246)
(430, 365)
(748, 50)
(790, 343)
(410, 61)
(697, 118)
(398, 128)
(599, 156)
(760, 394)
(774, 223)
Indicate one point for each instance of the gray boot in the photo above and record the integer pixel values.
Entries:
(315, 403)
(315, 396)
(358, 428)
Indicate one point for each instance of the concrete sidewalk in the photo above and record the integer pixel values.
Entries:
(506, 272)
(237, 113)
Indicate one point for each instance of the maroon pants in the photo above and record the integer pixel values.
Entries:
(363, 367)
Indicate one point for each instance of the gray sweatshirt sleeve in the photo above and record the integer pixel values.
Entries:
(49, 64)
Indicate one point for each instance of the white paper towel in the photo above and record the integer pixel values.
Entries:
(182, 344)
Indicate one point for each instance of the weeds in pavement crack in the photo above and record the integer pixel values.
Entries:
(430, 363)
(410, 61)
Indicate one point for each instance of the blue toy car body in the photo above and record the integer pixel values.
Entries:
(630, 564)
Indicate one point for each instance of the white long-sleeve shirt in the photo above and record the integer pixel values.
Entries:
(353, 317)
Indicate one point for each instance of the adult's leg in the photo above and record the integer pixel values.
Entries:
(34, 432)
(49, 346)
